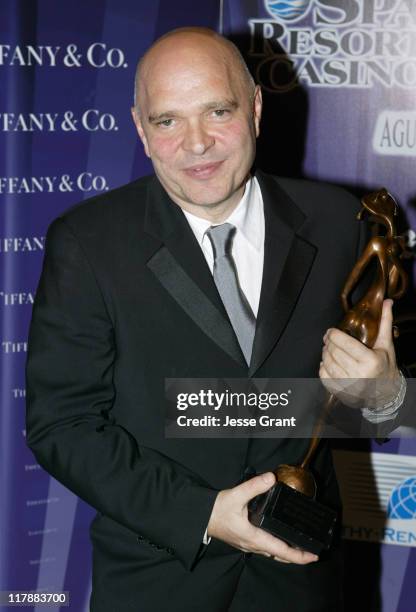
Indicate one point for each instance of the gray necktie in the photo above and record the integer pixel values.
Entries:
(226, 279)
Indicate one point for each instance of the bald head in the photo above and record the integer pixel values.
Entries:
(195, 42)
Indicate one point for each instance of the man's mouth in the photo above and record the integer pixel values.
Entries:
(203, 171)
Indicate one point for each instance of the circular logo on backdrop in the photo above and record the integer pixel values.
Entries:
(288, 10)
(402, 503)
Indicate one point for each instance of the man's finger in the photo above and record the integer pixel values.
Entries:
(384, 338)
(254, 486)
(277, 548)
(340, 358)
(347, 343)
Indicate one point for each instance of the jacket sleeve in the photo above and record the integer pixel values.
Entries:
(70, 426)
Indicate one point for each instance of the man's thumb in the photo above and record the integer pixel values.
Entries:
(256, 486)
(384, 336)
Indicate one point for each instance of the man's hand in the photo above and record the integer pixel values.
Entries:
(373, 376)
(229, 523)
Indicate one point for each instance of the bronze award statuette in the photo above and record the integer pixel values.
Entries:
(290, 510)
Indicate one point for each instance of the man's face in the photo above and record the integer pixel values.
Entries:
(198, 124)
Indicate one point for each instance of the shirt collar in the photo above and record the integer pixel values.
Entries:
(245, 217)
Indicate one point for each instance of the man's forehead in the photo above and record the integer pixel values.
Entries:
(187, 75)
(186, 62)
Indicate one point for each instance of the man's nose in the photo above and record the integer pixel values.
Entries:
(196, 139)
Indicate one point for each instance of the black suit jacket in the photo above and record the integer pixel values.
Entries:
(125, 300)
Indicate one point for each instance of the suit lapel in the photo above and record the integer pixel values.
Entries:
(288, 259)
(180, 266)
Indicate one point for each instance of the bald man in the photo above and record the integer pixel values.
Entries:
(131, 294)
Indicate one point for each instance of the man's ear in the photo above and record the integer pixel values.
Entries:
(258, 105)
(139, 128)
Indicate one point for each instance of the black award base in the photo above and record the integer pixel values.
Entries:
(293, 517)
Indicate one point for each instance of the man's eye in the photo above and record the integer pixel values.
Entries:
(221, 112)
(165, 123)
